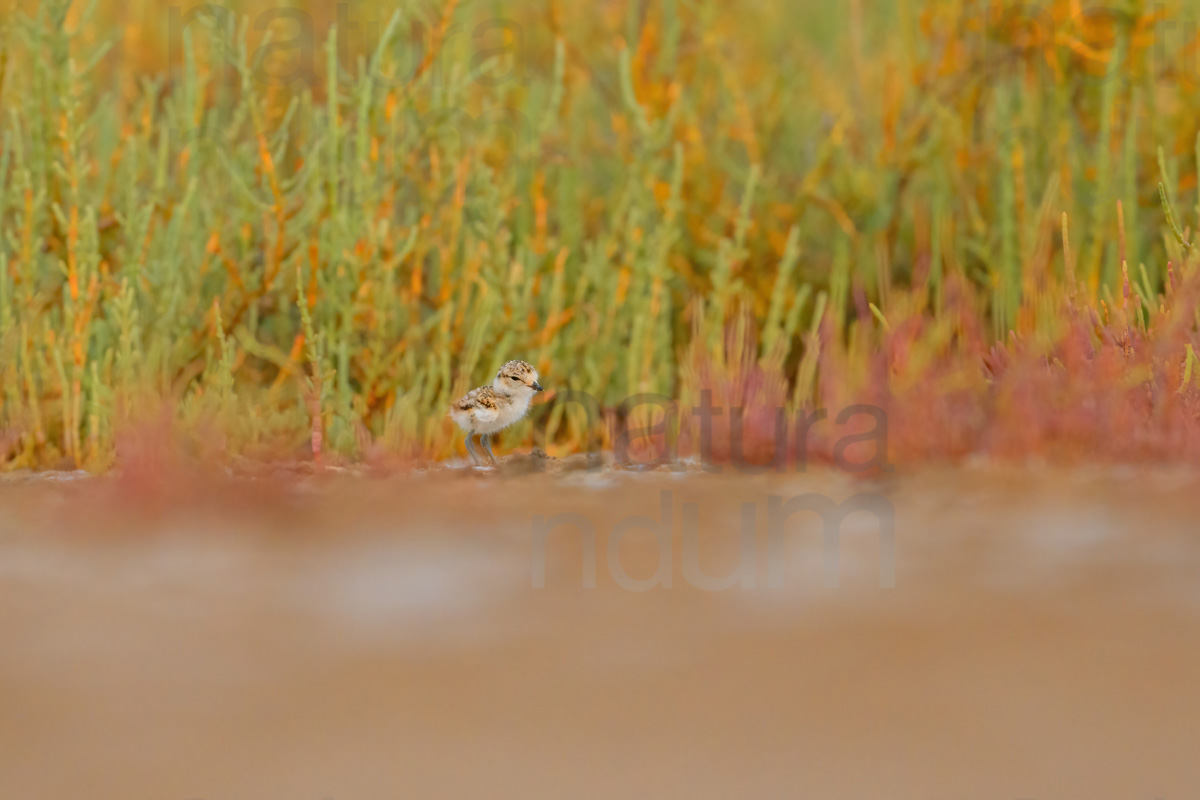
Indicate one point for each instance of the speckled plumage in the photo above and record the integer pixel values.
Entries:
(488, 409)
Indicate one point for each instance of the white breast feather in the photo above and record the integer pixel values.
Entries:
(486, 414)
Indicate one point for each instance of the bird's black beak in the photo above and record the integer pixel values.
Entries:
(537, 387)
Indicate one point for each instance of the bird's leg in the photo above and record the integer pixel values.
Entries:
(471, 448)
(486, 441)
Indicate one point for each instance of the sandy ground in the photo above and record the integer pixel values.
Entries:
(383, 638)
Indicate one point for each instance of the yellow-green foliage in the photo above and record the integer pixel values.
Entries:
(599, 188)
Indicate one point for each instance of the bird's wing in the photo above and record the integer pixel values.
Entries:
(481, 403)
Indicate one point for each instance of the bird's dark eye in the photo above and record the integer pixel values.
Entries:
(514, 377)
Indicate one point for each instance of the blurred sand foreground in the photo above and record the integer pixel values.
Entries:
(377, 637)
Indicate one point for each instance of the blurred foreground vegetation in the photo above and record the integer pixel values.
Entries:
(292, 229)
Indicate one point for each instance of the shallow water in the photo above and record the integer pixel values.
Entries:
(382, 637)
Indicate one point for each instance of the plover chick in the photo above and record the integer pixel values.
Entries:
(489, 409)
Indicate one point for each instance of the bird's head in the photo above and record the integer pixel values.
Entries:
(517, 377)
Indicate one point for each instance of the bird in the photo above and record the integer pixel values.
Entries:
(489, 409)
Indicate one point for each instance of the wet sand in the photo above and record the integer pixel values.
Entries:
(383, 638)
